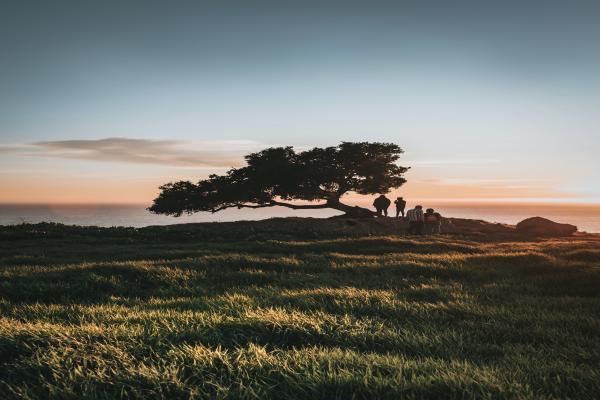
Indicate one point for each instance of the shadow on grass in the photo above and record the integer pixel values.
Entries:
(96, 283)
(214, 274)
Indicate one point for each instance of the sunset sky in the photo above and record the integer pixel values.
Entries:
(104, 101)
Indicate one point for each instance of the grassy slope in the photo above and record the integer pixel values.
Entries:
(112, 312)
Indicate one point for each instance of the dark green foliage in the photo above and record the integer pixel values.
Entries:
(155, 313)
(275, 175)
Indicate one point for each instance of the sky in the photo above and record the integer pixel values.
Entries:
(102, 102)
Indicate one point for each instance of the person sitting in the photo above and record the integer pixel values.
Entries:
(415, 220)
(400, 205)
(382, 204)
(433, 221)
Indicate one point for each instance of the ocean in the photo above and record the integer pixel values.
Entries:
(586, 217)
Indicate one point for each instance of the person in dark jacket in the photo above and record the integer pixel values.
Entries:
(400, 206)
(381, 205)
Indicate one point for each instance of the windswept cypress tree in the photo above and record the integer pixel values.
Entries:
(277, 176)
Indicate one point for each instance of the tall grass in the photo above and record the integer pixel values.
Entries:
(105, 315)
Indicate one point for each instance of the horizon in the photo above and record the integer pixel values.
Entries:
(583, 215)
(366, 201)
(103, 103)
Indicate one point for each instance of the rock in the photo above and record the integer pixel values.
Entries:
(539, 226)
(475, 226)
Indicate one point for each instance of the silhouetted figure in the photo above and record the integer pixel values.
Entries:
(400, 206)
(382, 204)
(433, 221)
(415, 220)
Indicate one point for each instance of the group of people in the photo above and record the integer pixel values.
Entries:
(419, 222)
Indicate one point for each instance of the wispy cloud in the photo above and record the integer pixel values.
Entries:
(204, 154)
(443, 163)
(483, 188)
(514, 182)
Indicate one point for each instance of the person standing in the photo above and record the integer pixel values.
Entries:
(415, 220)
(400, 206)
(433, 221)
(382, 204)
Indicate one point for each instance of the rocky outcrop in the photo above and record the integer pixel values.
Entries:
(538, 226)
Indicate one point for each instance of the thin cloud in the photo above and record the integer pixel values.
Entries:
(517, 184)
(443, 163)
(206, 154)
(522, 182)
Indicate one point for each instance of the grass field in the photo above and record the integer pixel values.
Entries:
(119, 313)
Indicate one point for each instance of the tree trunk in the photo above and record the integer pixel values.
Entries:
(350, 211)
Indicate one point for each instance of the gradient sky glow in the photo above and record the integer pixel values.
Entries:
(104, 101)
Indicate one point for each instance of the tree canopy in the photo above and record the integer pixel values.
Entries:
(278, 175)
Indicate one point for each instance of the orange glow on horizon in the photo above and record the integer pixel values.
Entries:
(111, 189)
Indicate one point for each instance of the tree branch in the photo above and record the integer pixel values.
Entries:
(240, 205)
(336, 205)
(300, 206)
(273, 203)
